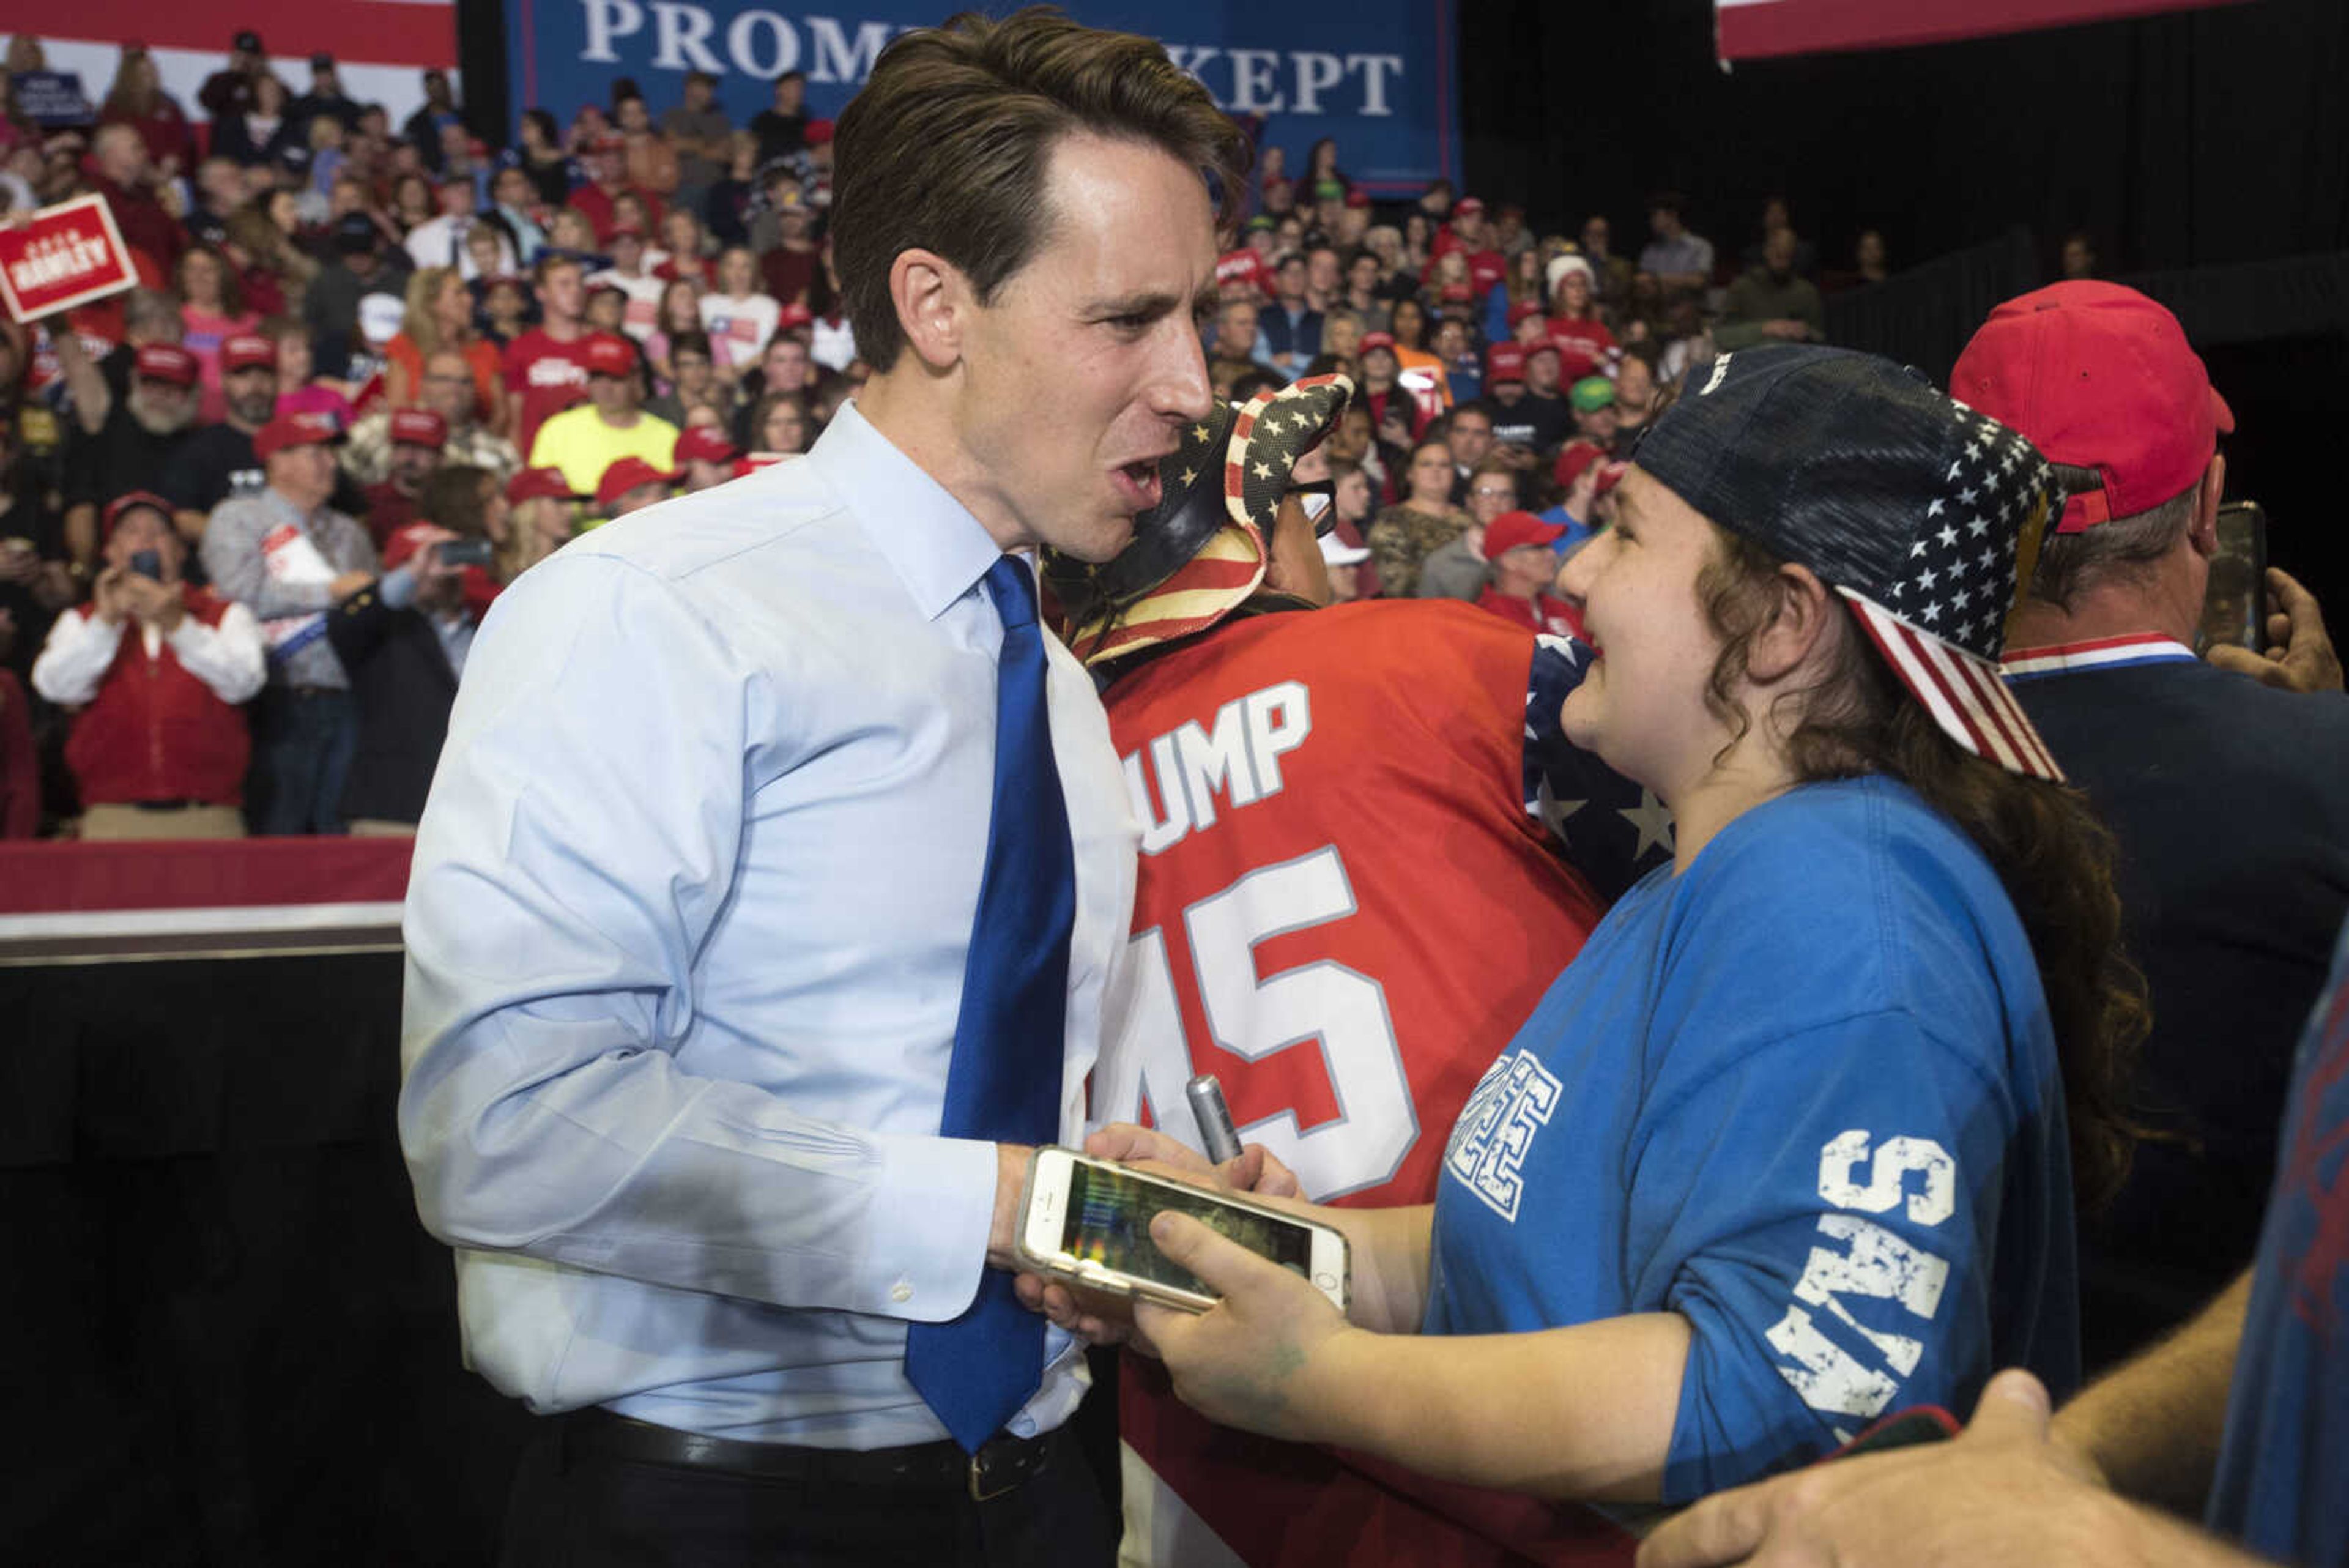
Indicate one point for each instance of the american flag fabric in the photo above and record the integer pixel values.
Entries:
(1943, 623)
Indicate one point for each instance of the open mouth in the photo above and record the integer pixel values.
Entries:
(1139, 484)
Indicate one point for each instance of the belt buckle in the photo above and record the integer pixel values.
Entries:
(981, 1490)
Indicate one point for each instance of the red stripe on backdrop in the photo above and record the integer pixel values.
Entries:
(189, 873)
(1801, 27)
(377, 32)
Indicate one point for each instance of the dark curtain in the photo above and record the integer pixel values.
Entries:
(2182, 141)
(2205, 154)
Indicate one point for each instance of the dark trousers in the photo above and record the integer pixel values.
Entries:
(574, 1508)
(302, 760)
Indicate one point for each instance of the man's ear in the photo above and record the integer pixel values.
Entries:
(933, 300)
(2204, 534)
(1795, 625)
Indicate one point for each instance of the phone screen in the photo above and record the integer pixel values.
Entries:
(1109, 1224)
(2234, 606)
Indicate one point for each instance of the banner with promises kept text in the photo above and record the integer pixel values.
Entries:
(65, 255)
(1376, 75)
(1754, 29)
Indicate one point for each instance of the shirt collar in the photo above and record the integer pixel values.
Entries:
(277, 498)
(2096, 653)
(939, 550)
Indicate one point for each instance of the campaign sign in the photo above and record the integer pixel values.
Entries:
(51, 98)
(67, 255)
(1377, 76)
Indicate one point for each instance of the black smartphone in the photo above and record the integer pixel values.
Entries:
(147, 564)
(466, 553)
(2235, 604)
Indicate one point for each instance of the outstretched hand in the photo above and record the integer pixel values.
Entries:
(1999, 1492)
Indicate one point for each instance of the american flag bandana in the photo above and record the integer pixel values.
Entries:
(1922, 514)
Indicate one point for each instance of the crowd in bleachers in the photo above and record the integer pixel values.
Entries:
(642, 300)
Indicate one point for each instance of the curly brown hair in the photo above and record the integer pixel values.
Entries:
(2052, 854)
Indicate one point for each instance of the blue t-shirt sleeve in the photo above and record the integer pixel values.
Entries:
(1608, 827)
(1822, 1208)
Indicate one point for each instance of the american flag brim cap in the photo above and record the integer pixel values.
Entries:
(1963, 691)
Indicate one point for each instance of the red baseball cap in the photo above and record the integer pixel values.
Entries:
(1611, 474)
(248, 351)
(1468, 205)
(625, 474)
(792, 317)
(315, 427)
(1575, 457)
(1376, 340)
(817, 133)
(1521, 309)
(419, 427)
(1504, 362)
(1512, 529)
(532, 483)
(704, 443)
(605, 355)
(166, 362)
(2099, 377)
(130, 499)
(1358, 198)
(744, 467)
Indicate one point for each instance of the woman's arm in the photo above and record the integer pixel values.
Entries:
(1581, 1412)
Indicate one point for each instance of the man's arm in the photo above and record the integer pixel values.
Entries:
(232, 560)
(231, 658)
(580, 848)
(2001, 1493)
(92, 399)
(2152, 1427)
(75, 659)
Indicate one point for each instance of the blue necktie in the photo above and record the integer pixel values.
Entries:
(1004, 1083)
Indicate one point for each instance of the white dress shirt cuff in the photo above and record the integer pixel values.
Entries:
(938, 1194)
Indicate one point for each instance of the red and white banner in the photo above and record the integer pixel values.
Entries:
(1755, 29)
(64, 902)
(380, 47)
(64, 256)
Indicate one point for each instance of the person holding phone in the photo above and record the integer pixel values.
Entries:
(2230, 798)
(159, 670)
(1786, 1146)
(404, 639)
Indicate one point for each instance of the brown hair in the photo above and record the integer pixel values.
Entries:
(948, 145)
(2053, 857)
(455, 498)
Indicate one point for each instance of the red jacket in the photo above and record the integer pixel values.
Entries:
(156, 732)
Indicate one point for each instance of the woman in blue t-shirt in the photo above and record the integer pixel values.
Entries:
(1794, 1141)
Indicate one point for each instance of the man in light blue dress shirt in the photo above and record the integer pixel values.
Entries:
(693, 894)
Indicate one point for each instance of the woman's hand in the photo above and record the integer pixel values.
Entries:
(1269, 1358)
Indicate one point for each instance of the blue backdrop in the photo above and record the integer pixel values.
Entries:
(1377, 74)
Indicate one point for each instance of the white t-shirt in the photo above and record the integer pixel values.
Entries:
(739, 328)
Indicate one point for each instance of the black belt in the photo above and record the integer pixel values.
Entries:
(1000, 1465)
(181, 804)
